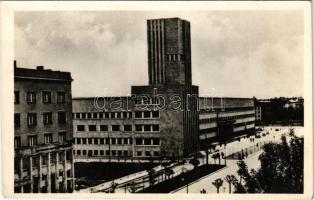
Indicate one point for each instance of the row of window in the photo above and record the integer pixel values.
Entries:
(32, 139)
(126, 127)
(118, 141)
(210, 120)
(46, 97)
(46, 117)
(44, 160)
(117, 115)
(123, 153)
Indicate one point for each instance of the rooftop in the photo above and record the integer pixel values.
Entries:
(41, 74)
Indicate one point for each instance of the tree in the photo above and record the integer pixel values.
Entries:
(230, 179)
(218, 183)
(281, 169)
(195, 162)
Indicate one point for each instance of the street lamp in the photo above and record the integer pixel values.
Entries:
(184, 170)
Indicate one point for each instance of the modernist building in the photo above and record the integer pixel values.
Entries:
(42, 131)
(164, 118)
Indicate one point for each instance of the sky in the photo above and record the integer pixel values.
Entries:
(234, 53)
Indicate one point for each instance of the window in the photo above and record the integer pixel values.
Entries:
(127, 127)
(95, 140)
(90, 140)
(125, 115)
(47, 118)
(53, 158)
(138, 141)
(89, 115)
(107, 140)
(83, 115)
(130, 115)
(31, 97)
(101, 141)
(156, 141)
(156, 127)
(92, 127)
(139, 153)
(155, 114)
(101, 152)
(138, 127)
(146, 114)
(61, 117)
(113, 140)
(84, 152)
(138, 114)
(60, 97)
(62, 137)
(119, 141)
(31, 119)
(17, 142)
(95, 115)
(84, 140)
(119, 153)
(48, 138)
(78, 140)
(125, 153)
(114, 153)
(101, 115)
(125, 140)
(146, 127)
(80, 128)
(130, 140)
(107, 152)
(147, 141)
(16, 97)
(96, 152)
(156, 153)
(44, 159)
(46, 97)
(115, 127)
(32, 140)
(147, 153)
(78, 152)
(78, 115)
(106, 115)
(103, 128)
(17, 119)
(118, 115)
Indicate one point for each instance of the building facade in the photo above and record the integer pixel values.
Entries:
(224, 118)
(165, 118)
(42, 131)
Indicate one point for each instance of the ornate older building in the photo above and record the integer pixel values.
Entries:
(42, 131)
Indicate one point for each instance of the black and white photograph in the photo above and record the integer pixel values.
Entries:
(177, 99)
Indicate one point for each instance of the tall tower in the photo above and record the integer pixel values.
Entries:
(169, 51)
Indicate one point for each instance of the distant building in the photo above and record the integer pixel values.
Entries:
(42, 131)
(280, 111)
(181, 129)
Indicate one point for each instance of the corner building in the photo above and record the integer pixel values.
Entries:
(42, 131)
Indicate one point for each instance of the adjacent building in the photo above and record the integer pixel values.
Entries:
(165, 118)
(42, 131)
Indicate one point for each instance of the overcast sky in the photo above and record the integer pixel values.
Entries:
(238, 53)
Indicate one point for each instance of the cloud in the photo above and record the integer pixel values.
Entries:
(239, 53)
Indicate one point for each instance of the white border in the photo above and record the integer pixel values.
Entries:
(7, 57)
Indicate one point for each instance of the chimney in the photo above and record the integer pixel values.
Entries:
(40, 68)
